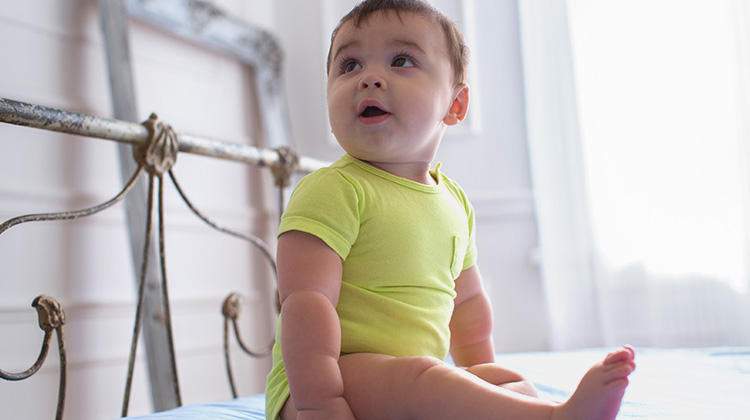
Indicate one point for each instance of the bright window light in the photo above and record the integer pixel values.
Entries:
(659, 106)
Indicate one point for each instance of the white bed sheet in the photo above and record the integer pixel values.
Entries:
(684, 384)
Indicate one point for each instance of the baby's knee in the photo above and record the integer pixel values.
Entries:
(417, 365)
(503, 377)
(412, 370)
(495, 374)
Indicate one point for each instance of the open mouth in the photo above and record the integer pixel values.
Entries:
(373, 111)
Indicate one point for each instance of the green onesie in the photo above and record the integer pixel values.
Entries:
(402, 244)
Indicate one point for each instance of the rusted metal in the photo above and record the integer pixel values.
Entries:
(165, 289)
(165, 305)
(52, 119)
(51, 319)
(69, 215)
(256, 241)
(210, 26)
(288, 165)
(139, 305)
(231, 311)
(157, 156)
(114, 20)
(160, 153)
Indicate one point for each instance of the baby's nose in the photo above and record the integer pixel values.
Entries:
(371, 80)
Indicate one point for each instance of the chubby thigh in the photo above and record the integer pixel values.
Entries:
(378, 386)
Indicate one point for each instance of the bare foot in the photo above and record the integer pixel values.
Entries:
(600, 392)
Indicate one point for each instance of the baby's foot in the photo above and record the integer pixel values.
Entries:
(600, 392)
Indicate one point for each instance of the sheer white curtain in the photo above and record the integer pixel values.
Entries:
(638, 121)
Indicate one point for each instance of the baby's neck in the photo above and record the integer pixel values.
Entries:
(417, 172)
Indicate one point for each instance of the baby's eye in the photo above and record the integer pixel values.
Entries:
(350, 66)
(402, 61)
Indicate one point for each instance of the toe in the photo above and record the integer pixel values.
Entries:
(625, 353)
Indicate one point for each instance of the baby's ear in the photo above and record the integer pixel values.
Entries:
(459, 106)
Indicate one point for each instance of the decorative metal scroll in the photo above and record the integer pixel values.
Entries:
(70, 215)
(158, 157)
(231, 311)
(51, 319)
(155, 157)
(204, 24)
(155, 147)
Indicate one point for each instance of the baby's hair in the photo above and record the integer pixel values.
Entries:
(458, 51)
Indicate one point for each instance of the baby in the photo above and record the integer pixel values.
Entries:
(376, 256)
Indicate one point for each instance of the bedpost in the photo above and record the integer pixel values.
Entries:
(165, 391)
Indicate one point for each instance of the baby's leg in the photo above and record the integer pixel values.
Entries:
(600, 392)
(380, 386)
(503, 377)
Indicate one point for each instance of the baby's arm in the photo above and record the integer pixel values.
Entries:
(309, 286)
(471, 323)
(471, 335)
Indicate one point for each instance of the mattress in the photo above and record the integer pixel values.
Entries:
(684, 384)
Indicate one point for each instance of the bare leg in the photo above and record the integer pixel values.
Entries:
(504, 377)
(379, 386)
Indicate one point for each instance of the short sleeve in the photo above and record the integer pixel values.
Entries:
(325, 204)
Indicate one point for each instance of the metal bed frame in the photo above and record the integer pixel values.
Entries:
(151, 147)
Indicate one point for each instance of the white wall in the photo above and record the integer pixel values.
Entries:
(52, 54)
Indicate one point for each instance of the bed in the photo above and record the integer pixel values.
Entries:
(685, 384)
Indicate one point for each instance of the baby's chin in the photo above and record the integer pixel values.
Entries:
(357, 154)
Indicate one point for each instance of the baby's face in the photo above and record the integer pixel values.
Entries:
(390, 87)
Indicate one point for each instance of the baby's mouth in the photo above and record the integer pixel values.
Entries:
(373, 111)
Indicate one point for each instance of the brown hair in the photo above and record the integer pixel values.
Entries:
(458, 51)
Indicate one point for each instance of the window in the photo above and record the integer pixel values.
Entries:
(659, 107)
